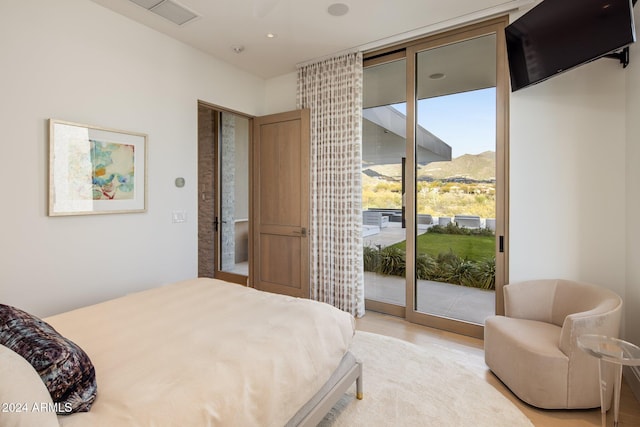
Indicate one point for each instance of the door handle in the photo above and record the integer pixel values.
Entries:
(302, 232)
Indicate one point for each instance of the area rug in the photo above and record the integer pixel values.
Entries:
(410, 385)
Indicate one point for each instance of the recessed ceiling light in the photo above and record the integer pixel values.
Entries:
(338, 9)
(271, 35)
(437, 76)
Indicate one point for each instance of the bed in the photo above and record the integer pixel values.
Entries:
(205, 352)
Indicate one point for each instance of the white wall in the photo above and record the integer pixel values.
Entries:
(632, 290)
(574, 183)
(567, 177)
(281, 93)
(575, 180)
(74, 60)
(568, 182)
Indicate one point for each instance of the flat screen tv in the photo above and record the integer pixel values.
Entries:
(558, 35)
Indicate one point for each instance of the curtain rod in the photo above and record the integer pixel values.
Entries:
(325, 57)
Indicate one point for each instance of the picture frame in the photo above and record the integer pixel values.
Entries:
(96, 170)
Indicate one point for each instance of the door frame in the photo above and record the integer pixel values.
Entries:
(209, 248)
(408, 51)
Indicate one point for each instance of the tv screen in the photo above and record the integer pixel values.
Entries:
(557, 35)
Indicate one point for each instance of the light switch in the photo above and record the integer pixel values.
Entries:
(179, 216)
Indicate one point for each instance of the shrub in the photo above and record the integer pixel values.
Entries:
(371, 258)
(462, 272)
(447, 267)
(452, 228)
(426, 267)
(392, 262)
(486, 274)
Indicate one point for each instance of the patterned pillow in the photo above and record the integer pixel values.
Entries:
(64, 367)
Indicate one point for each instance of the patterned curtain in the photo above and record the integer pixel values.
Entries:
(332, 90)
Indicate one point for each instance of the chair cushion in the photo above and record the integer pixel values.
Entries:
(514, 348)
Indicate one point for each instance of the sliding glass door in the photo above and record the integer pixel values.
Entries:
(455, 194)
(447, 191)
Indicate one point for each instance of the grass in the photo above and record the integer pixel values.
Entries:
(448, 254)
(474, 248)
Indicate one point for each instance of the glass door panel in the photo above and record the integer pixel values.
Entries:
(383, 152)
(455, 180)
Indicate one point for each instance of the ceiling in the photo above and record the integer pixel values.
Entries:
(304, 29)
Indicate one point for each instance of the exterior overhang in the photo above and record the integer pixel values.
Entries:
(384, 132)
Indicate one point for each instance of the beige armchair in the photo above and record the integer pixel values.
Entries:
(533, 348)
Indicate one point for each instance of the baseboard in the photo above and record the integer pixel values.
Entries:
(632, 377)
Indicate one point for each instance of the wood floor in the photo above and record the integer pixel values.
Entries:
(469, 351)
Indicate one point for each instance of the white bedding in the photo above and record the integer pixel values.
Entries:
(205, 353)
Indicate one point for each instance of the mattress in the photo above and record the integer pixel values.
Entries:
(205, 352)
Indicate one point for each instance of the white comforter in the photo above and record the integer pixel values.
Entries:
(205, 353)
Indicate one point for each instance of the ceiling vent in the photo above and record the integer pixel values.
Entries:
(168, 9)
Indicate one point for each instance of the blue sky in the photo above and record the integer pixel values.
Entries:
(466, 121)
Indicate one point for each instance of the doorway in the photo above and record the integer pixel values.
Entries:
(223, 189)
(253, 199)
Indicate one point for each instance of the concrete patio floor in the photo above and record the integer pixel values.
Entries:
(439, 299)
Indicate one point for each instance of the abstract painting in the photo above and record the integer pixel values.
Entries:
(112, 170)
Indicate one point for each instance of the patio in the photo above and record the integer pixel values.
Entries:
(440, 299)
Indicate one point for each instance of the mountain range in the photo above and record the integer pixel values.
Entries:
(468, 167)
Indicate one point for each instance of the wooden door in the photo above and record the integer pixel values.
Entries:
(281, 203)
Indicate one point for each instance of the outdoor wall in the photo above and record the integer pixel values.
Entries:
(75, 60)
(227, 192)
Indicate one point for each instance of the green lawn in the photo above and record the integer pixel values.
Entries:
(474, 248)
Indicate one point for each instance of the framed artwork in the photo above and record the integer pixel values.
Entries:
(95, 170)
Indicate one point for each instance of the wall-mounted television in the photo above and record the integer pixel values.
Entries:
(558, 35)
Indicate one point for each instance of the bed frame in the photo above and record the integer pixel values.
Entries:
(349, 370)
